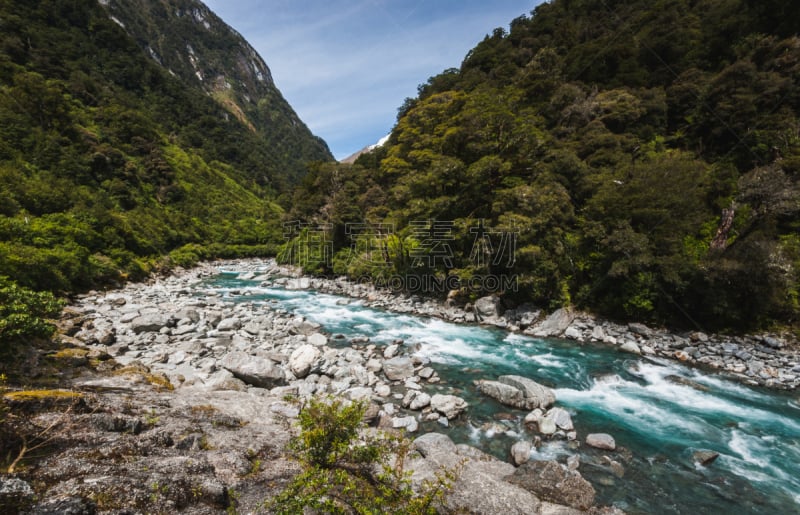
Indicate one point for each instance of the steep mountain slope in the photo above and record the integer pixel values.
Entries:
(190, 41)
(108, 162)
(642, 158)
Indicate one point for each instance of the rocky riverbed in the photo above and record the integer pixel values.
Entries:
(182, 402)
(769, 360)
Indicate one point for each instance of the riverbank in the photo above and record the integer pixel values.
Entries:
(179, 402)
(767, 360)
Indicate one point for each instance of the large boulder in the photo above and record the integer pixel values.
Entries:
(553, 325)
(551, 481)
(399, 368)
(601, 441)
(229, 324)
(253, 370)
(303, 359)
(448, 405)
(521, 452)
(517, 391)
(561, 417)
(489, 307)
(149, 323)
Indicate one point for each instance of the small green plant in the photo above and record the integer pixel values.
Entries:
(346, 470)
(152, 418)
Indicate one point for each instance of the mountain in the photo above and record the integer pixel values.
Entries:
(110, 160)
(639, 160)
(352, 158)
(192, 43)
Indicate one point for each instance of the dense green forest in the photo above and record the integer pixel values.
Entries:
(645, 155)
(110, 166)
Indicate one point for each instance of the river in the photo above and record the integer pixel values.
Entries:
(660, 412)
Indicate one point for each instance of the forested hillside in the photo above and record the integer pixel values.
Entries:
(646, 155)
(108, 162)
(190, 41)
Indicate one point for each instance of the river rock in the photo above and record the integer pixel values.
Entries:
(705, 458)
(490, 307)
(553, 482)
(410, 424)
(521, 452)
(303, 359)
(420, 401)
(547, 426)
(573, 333)
(630, 346)
(517, 391)
(253, 370)
(640, 329)
(555, 324)
(229, 324)
(391, 351)
(448, 405)
(601, 441)
(149, 323)
(399, 368)
(561, 418)
(317, 339)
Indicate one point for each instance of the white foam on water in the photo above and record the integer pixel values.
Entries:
(634, 403)
(746, 447)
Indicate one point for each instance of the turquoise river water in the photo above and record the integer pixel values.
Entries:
(659, 422)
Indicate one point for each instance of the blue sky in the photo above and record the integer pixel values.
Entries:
(347, 65)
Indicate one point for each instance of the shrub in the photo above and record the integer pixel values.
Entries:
(24, 313)
(347, 470)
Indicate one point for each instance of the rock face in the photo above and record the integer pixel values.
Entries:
(553, 482)
(253, 370)
(479, 487)
(517, 391)
(601, 441)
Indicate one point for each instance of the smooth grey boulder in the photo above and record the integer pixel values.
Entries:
(521, 452)
(303, 359)
(253, 370)
(488, 307)
(149, 323)
(561, 417)
(399, 368)
(517, 391)
(317, 339)
(601, 441)
(229, 324)
(555, 324)
(410, 424)
(629, 346)
(448, 405)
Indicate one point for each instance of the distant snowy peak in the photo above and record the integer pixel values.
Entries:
(352, 159)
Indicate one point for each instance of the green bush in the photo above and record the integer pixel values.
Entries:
(347, 470)
(24, 313)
